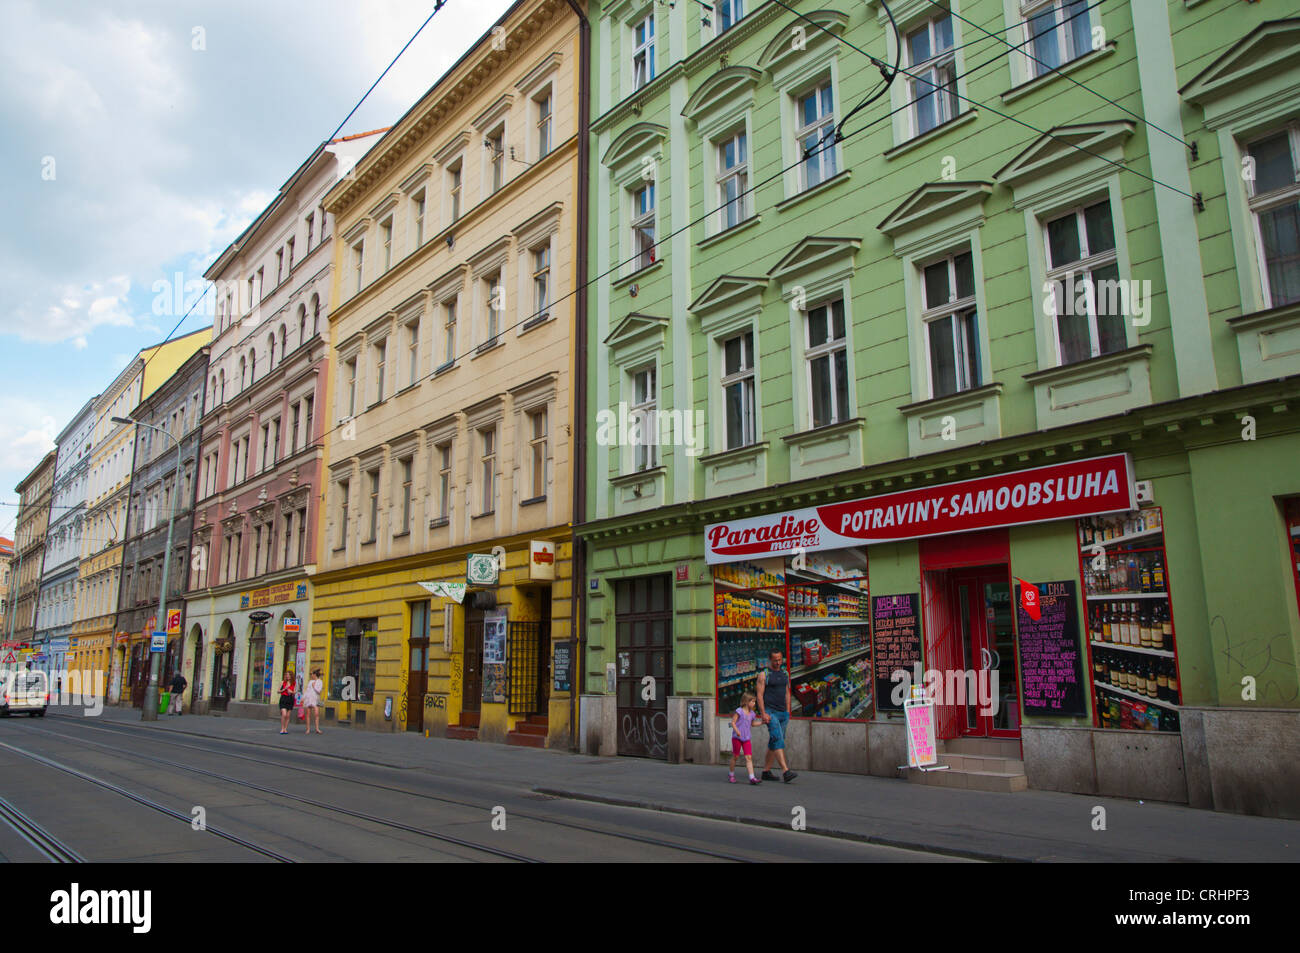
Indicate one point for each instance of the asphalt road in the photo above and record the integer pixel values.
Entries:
(79, 790)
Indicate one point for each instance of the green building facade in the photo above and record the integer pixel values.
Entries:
(1061, 243)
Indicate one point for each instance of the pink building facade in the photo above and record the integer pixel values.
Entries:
(254, 546)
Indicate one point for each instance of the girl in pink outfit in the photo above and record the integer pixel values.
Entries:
(741, 720)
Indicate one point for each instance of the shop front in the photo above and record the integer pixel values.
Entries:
(462, 645)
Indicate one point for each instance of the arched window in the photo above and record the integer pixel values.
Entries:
(243, 373)
(315, 313)
(270, 350)
(302, 325)
(252, 365)
(222, 399)
(283, 350)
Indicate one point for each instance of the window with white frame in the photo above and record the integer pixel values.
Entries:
(380, 352)
(343, 494)
(454, 177)
(815, 134)
(1057, 31)
(541, 281)
(733, 179)
(1083, 279)
(949, 322)
(358, 260)
(729, 13)
(350, 378)
(826, 354)
(933, 74)
(386, 242)
(372, 521)
(412, 352)
(443, 452)
(495, 142)
(449, 332)
(643, 51)
(645, 453)
(738, 389)
(417, 213)
(1275, 206)
(537, 435)
(405, 466)
(487, 469)
(494, 300)
(643, 224)
(545, 123)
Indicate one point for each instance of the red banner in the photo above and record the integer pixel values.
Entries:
(1056, 492)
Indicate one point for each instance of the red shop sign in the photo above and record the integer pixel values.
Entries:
(1056, 492)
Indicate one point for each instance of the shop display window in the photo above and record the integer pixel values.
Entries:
(353, 656)
(816, 608)
(1131, 643)
(1293, 541)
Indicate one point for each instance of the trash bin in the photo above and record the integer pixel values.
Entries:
(164, 699)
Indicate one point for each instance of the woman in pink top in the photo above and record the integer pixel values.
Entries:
(311, 693)
(741, 719)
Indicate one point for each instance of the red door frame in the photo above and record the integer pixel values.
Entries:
(981, 639)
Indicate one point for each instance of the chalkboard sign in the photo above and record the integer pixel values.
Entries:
(1051, 663)
(562, 667)
(896, 641)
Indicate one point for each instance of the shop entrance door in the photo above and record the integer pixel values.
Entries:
(982, 600)
(471, 698)
(644, 644)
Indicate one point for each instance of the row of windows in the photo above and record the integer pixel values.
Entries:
(372, 252)
(278, 345)
(235, 299)
(272, 443)
(485, 468)
(279, 542)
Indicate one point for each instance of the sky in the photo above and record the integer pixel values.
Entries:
(140, 137)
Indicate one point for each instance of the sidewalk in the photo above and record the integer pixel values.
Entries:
(1026, 826)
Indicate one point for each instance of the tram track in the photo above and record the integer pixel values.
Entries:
(647, 840)
(40, 839)
(145, 801)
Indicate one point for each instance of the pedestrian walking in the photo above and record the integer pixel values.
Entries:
(286, 702)
(178, 692)
(311, 695)
(774, 705)
(741, 719)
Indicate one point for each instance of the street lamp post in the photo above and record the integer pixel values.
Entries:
(150, 710)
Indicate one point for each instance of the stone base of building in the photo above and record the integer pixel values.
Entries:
(1235, 760)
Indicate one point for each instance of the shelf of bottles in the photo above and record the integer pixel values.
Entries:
(1130, 620)
(817, 611)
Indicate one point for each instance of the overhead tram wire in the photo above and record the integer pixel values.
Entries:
(1059, 72)
(828, 143)
(997, 112)
(438, 5)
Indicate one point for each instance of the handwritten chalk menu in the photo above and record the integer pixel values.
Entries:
(1051, 663)
(896, 641)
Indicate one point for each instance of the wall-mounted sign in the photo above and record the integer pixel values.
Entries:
(1040, 494)
(446, 590)
(683, 572)
(562, 667)
(292, 626)
(541, 560)
(896, 630)
(695, 720)
(158, 642)
(173, 621)
(270, 595)
(259, 616)
(481, 569)
(1051, 659)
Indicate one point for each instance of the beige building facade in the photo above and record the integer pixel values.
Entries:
(450, 413)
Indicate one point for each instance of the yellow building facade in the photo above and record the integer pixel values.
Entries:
(451, 406)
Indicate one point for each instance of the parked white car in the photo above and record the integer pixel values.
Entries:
(24, 691)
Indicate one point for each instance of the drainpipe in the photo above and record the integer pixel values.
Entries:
(578, 625)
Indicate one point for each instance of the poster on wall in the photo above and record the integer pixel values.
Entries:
(562, 667)
(494, 636)
(1051, 661)
(896, 632)
(266, 679)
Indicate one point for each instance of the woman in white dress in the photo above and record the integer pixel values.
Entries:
(311, 696)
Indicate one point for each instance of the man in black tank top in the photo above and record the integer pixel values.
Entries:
(774, 707)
